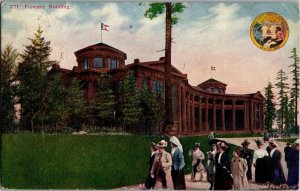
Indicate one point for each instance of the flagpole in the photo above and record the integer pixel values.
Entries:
(101, 30)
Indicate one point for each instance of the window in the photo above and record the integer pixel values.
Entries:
(216, 90)
(85, 64)
(113, 64)
(98, 62)
(158, 87)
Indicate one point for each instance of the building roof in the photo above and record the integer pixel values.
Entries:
(212, 81)
(102, 45)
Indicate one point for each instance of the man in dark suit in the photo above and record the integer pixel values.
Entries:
(151, 180)
(223, 178)
(277, 175)
(287, 151)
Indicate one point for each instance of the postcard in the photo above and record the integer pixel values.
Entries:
(149, 95)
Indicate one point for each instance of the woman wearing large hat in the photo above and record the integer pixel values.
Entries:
(162, 164)
(198, 157)
(247, 154)
(261, 163)
(178, 164)
(223, 176)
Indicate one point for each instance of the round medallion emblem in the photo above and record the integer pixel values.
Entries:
(269, 31)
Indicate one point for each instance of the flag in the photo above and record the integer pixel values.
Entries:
(104, 27)
(213, 68)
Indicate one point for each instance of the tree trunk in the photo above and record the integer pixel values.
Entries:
(168, 70)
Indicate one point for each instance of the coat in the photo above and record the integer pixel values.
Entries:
(166, 162)
(223, 177)
(239, 168)
(293, 174)
(178, 160)
(277, 175)
(197, 156)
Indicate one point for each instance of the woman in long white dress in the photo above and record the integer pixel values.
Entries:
(261, 162)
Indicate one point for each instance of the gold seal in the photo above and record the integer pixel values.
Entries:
(269, 31)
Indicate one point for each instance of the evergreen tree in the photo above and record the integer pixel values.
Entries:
(171, 9)
(31, 74)
(104, 101)
(131, 110)
(53, 110)
(152, 113)
(7, 68)
(269, 107)
(290, 128)
(282, 86)
(295, 86)
(75, 104)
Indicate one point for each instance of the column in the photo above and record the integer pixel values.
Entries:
(183, 109)
(214, 116)
(193, 114)
(261, 115)
(223, 115)
(179, 130)
(245, 117)
(200, 113)
(206, 114)
(188, 118)
(233, 115)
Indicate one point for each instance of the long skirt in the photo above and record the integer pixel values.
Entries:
(262, 170)
(293, 176)
(278, 175)
(249, 171)
(223, 180)
(178, 179)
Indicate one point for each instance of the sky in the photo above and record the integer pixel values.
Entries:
(207, 34)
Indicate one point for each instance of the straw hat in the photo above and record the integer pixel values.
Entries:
(162, 144)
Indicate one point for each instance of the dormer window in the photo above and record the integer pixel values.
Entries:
(85, 64)
(113, 64)
(98, 62)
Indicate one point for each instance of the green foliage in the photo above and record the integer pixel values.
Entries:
(156, 9)
(74, 104)
(53, 109)
(31, 75)
(282, 86)
(104, 103)
(152, 111)
(132, 112)
(7, 88)
(269, 107)
(295, 88)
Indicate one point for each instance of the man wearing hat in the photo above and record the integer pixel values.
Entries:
(277, 175)
(198, 156)
(293, 174)
(162, 164)
(247, 154)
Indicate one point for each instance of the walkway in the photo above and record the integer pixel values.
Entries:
(204, 185)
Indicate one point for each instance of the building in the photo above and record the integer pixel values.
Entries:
(196, 109)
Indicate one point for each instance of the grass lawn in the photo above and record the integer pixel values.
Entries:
(36, 161)
(291, 140)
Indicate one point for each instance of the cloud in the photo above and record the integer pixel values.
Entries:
(220, 38)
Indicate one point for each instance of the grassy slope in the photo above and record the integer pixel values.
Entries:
(84, 162)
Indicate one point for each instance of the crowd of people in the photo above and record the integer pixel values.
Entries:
(222, 172)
